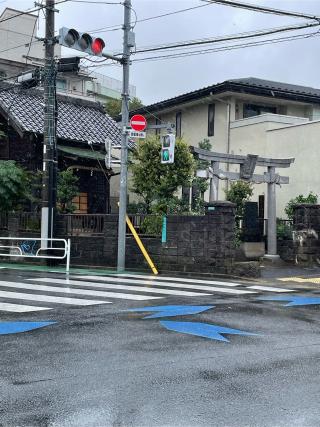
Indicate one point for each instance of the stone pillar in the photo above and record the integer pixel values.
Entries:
(214, 184)
(272, 218)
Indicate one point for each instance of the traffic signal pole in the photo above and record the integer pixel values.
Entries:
(49, 131)
(124, 140)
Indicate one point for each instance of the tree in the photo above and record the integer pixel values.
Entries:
(155, 182)
(239, 193)
(67, 191)
(13, 186)
(113, 107)
(311, 198)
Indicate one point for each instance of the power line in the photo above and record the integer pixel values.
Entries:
(20, 45)
(119, 26)
(262, 9)
(27, 12)
(33, 31)
(226, 48)
(94, 2)
(228, 38)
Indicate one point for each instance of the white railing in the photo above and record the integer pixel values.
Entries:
(28, 248)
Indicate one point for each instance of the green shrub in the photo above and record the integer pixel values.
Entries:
(284, 231)
(152, 225)
(311, 198)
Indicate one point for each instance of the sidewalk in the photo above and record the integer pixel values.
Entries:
(291, 276)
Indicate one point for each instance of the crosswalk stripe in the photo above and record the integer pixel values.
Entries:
(125, 287)
(49, 298)
(86, 292)
(19, 308)
(269, 288)
(163, 279)
(150, 289)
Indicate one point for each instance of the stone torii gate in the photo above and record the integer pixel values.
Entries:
(247, 166)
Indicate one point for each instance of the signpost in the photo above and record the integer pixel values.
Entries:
(136, 134)
(138, 122)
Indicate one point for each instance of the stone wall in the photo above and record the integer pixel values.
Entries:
(306, 225)
(194, 243)
(202, 244)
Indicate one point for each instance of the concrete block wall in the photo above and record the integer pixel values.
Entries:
(306, 236)
(203, 244)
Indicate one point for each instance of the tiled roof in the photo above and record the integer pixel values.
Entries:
(78, 120)
(250, 85)
(269, 84)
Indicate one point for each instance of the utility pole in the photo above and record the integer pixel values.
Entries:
(127, 44)
(49, 130)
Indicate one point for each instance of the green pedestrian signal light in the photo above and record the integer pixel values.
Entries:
(165, 155)
(167, 148)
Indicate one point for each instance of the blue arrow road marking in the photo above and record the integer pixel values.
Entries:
(16, 327)
(173, 310)
(294, 300)
(202, 329)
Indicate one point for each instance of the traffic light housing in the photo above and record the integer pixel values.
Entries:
(66, 65)
(167, 148)
(29, 79)
(69, 37)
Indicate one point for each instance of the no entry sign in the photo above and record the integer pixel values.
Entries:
(138, 122)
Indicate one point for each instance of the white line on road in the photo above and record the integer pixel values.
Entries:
(270, 289)
(86, 292)
(166, 279)
(49, 298)
(18, 308)
(150, 289)
(125, 287)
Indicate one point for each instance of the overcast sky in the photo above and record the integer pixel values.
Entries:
(292, 62)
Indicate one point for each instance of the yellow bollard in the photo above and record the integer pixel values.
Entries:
(140, 244)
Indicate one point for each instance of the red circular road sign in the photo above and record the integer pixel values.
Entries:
(138, 122)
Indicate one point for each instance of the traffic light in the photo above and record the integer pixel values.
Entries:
(167, 150)
(84, 42)
(29, 79)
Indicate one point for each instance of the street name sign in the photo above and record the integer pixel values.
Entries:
(136, 134)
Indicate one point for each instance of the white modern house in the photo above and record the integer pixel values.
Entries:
(252, 116)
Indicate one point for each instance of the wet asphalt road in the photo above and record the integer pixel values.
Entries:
(103, 366)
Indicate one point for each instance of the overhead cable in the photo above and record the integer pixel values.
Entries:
(262, 9)
(225, 48)
(119, 26)
(229, 38)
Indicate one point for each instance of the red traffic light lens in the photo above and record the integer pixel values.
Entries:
(97, 46)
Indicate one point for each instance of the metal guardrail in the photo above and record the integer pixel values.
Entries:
(36, 248)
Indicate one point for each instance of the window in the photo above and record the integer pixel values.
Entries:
(251, 110)
(158, 122)
(61, 85)
(178, 125)
(81, 203)
(211, 113)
